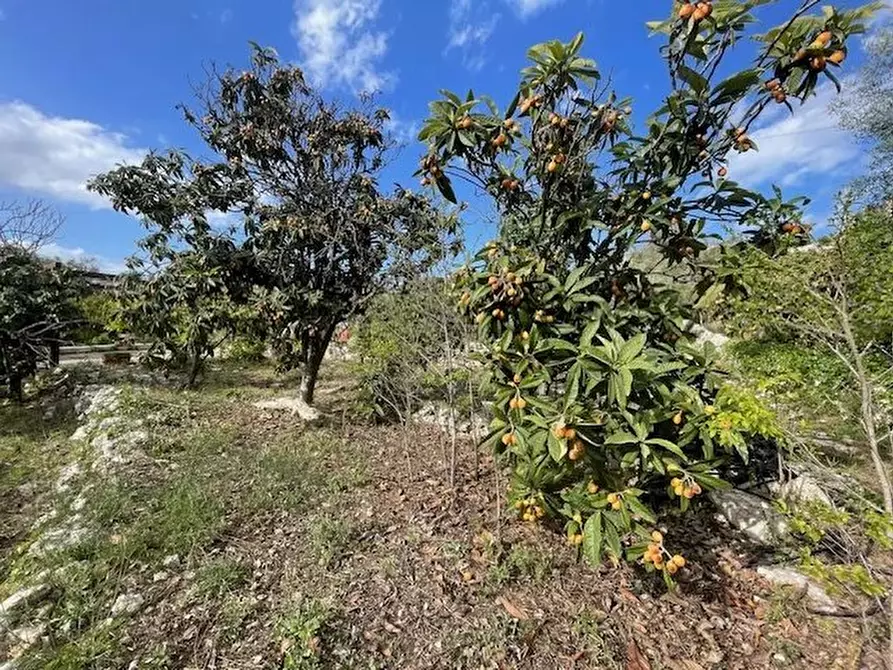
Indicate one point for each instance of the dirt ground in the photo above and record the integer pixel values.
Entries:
(373, 560)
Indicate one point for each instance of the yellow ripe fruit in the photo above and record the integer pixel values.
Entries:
(822, 39)
(570, 433)
(539, 512)
(552, 166)
(572, 538)
(677, 419)
(678, 561)
(519, 504)
(613, 497)
(671, 568)
(617, 505)
(709, 410)
(646, 226)
(525, 335)
(646, 195)
(678, 490)
(507, 439)
(675, 482)
(516, 379)
(837, 57)
(479, 319)
(528, 517)
(592, 488)
(578, 538)
(657, 536)
(521, 403)
(513, 403)
(659, 563)
(689, 493)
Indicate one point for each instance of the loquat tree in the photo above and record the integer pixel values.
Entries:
(319, 237)
(603, 405)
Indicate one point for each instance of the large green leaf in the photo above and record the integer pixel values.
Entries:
(592, 539)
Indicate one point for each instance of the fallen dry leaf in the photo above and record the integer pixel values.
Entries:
(512, 609)
(635, 660)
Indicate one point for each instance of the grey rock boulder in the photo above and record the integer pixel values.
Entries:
(819, 600)
(751, 515)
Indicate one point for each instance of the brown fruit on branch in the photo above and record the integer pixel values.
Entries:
(552, 166)
(817, 63)
(723, 171)
(646, 226)
(686, 10)
(773, 84)
(837, 57)
(466, 122)
(779, 96)
(500, 140)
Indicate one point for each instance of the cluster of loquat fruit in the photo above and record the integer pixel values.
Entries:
(684, 489)
(577, 448)
(697, 11)
(530, 510)
(658, 557)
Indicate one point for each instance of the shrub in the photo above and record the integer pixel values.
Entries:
(409, 346)
(602, 405)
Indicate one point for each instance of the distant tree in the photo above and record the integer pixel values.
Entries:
(36, 307)
(320, 236)
(867, 109)
(29, 224)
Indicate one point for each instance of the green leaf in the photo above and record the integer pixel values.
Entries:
(557, 448)
(697, 83)
(621, 437)
(592, 539)
(669, 446)
(572, 387)
(446, 188)
(613, 541)
(632, 348)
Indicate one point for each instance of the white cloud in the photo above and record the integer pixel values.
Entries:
(793, 148)
(339, 44)
(226, 16)
(470, 27)
(80, 256)
(530, 7)
(55, 156)
(404, 131)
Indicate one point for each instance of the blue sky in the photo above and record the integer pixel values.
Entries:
(93, 83)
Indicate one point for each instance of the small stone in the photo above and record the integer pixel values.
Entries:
(127, 603)
(159, 576)
(171, 561)
(294, 405)
(19, 599)
(27, 636)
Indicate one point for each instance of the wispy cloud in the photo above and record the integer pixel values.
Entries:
(226, 16)
(56, 156)
(470, 27)
(340, 44)
(404, 131)
(794, 149)
(527, 8)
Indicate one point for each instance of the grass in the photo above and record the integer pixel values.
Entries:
(221, 577)
(211, 477)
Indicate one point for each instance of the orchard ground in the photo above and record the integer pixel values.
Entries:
(244, 538)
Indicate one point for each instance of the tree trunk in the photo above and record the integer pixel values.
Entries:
(195, 365)
(314, 350)
(15, 387)
(54, 353)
